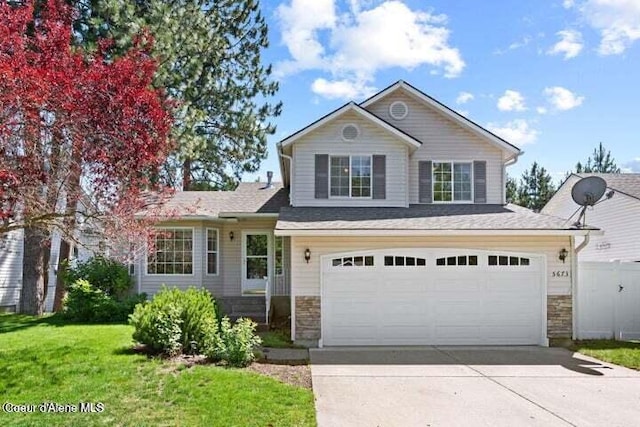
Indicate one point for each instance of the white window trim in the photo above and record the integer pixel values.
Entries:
(275, 253)
(207, 251)
(193, 258)
(433, 182)
(351, 156)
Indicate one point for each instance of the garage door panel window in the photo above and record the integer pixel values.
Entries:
(451, 182)
(353, 261)
(504, 260)
(404, 261)
(459, 260)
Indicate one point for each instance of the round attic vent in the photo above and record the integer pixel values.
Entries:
(350, 132)
(398, 110)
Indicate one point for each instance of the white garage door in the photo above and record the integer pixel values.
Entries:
(432, 297)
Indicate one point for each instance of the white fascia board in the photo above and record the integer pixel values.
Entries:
(224, 215)
(341, 232)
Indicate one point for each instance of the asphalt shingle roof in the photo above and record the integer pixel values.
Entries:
(627, 183)
(419, 217)
(249, 197)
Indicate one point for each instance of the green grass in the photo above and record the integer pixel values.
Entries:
(625, 353)
(276, 339)
(46, 360)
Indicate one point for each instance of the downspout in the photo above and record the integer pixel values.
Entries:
(574, 281)
(508, 163)
(284, 156)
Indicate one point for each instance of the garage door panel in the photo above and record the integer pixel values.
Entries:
(432, 305)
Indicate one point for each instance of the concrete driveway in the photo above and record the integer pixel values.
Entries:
(471, 386)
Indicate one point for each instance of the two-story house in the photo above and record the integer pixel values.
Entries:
(390, 228)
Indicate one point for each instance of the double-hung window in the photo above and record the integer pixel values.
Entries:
(212, 251)
(173, 252)
(451, 182)
(350, 176)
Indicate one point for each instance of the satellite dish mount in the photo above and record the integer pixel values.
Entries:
(588, 192)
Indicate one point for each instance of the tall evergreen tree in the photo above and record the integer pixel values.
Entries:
(536, 188)
(601, 161)
(210, 64)
(512, 190)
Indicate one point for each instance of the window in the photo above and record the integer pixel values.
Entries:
(278, 243)
(402, 261)
(451, 182)
(350, 176)
(508, 260)
(353, 261)
(212, 251)
(173, 252)
(460, 260)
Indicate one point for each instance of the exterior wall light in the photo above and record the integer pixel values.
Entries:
(231, 235)
(562, 255)
(307, 255)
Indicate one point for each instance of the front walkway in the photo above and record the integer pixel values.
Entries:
(471, 386)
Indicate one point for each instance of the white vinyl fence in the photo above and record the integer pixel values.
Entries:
(608, 300)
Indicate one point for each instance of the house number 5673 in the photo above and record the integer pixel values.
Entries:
(560, 273)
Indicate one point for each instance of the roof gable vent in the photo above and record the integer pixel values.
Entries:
(350, 132)
(398, 110)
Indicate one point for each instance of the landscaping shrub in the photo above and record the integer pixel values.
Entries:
(235, 344)
(111, 277)
(86, 303)
(176, 321)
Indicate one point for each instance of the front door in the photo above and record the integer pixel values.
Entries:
(256, 265)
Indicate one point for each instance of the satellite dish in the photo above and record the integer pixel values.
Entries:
(589, 190)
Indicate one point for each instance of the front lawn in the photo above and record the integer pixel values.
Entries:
(623, 353)
(46, 360)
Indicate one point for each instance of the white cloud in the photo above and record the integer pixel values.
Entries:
(341, 89)
(353, 45)
(568, 4)
(464, 97)
(518, 132)
(563, 99)
(569, 45)
(618, 22)
(511, 101)
(541, 110)
(632, 166)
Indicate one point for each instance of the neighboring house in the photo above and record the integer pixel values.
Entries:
(618, 217)
(391, 228)
(11, 250)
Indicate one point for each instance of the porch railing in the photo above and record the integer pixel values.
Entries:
(267, 296)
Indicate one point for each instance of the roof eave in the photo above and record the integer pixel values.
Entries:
(410, 232)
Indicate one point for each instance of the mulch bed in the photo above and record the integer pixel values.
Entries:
(297, 375)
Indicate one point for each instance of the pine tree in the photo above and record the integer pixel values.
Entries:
(536, 188)
(210, 64)
(600, 162)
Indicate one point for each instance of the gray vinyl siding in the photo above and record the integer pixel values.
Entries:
(228, 281)
(373, 140)
(442, 140)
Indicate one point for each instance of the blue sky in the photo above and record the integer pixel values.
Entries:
(553, 77)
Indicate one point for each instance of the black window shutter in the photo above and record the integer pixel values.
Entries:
(322, 176)
(425, 193)
(379, 172)
(480, 181)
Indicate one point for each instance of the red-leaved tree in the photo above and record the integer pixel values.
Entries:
(81, 135)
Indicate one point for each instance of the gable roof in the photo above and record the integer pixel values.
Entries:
(421, 219)
(447, 112)
(352, 106)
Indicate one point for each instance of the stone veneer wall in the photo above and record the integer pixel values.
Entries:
(559, 316)
(307, 318)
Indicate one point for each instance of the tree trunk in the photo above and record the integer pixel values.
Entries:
(61, 289)
(35, 262)
(186, 175)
